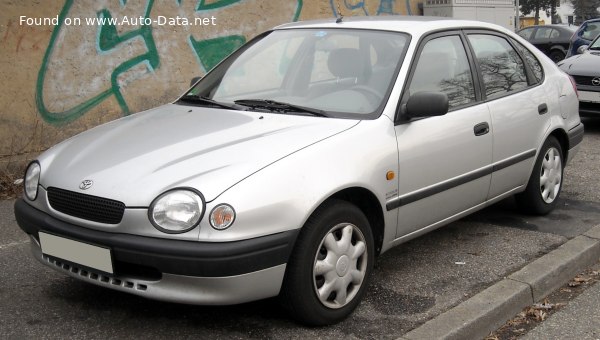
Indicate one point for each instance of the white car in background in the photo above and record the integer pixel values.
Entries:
(300, 158)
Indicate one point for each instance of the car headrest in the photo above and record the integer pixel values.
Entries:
(345, 63)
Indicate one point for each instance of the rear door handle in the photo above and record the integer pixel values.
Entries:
(481, 129)
(543, 109)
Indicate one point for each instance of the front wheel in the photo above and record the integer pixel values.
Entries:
(557, 56)
(545, 183)
(328, 272)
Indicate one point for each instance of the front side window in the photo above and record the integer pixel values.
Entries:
(591, 31)
(526, 33)
(341, 72)
(443, 66)
(502, 69)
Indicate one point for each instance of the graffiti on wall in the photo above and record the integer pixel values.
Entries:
(370, 7)
(86, 65)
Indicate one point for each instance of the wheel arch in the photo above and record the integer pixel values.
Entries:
(558, 48)
(563, 140)
(368, 203)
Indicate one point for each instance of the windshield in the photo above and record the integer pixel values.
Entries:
(595, 45)
(339, 72)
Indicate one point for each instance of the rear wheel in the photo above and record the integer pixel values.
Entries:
(557, 56)
(545, 182)
(328, 272)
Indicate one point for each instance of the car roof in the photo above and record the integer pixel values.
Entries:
(559, 26)
(415, 25)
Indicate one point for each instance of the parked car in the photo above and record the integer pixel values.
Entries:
(585, 70)
(302, 157)
(584, 35)
(553, 40)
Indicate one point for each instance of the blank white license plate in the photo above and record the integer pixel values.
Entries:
(586, 96)
(77, 252)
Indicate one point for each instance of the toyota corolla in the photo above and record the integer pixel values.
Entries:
(302, 157)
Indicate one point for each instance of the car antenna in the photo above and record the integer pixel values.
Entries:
(340, 16)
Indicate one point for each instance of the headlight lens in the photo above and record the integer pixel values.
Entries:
(32, 180)
(177, 211)
(222, 216)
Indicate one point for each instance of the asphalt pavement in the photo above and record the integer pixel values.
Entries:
(412, 284)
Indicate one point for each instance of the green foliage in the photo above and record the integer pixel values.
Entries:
(535, 6)
(586, 9)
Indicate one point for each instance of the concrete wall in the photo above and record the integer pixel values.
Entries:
(61, 76)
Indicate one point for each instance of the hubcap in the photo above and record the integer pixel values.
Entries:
(550, 175)
(340, 265)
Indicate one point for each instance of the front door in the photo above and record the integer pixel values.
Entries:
(444, 161)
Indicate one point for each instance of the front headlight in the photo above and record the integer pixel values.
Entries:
(32, 180)
(177, 211)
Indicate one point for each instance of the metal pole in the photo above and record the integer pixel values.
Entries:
(517, 17)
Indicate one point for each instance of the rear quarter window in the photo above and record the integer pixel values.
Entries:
(532, 62)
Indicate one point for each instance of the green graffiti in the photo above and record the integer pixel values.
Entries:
(108, 39)
(384, 7)
(298, 11)
(211, 51)
(75, 112)
(202, 5)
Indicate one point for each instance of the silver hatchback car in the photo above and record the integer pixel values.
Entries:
(300, 158)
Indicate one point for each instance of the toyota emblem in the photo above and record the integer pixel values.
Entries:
(86, 184)
(596, 81)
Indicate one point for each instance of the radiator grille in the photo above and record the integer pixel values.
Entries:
(87, 207)
(583, 80)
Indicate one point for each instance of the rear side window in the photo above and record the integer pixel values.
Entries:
(443, 66)
(543, 33)
(502, 69)
(532, 62)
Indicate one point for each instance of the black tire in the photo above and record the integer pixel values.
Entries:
(532, 201)
(298, 294)
(556, 56)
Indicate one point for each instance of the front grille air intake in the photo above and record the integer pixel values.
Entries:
(87, 207)
(583, 80)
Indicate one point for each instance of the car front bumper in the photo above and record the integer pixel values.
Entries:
(589, 101)
(192, 272)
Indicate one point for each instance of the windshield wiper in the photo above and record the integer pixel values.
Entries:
(207, 101)
(280, 106)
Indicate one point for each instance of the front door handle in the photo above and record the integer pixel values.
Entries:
(543, 108)
(481, 129)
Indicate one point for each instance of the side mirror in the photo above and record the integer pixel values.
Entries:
(194, 80)
(581, 49)
(427, 104)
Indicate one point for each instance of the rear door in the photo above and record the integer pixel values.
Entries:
(516, 103)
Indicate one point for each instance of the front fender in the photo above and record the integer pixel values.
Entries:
(283, 195)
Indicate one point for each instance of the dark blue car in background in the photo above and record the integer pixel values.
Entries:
(584, 35)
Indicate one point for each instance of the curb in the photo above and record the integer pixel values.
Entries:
(483, 313)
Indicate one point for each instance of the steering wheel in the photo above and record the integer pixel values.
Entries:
(372, 95)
